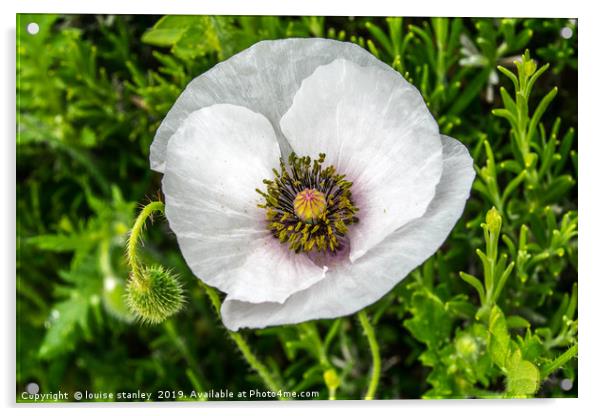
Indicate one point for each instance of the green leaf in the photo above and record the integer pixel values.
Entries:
(470, 91)
(63, 322)
(510, 75)
(168, 30)
(557, 188)
(380, 36)
(68, 320)
(193, 36)
(60, 242)
(522, 379)
(534, 78)
(515, 321)
(431, 323)
(508, 101)
(531, 346)
(541, 108)
(514, 183)
(476, 283)
(498, 344)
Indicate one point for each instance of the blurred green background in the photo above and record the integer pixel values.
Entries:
(91, 92)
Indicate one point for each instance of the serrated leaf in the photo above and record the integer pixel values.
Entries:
(193, 36)
(62, 324)
(68, 319)
(499, 339)
(168, 30)
(522, 379)
(431, 323)
(531, 347)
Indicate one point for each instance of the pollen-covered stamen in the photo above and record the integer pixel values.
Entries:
(309, 204)
(309, 207)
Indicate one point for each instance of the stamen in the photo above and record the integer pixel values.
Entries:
(308, 207)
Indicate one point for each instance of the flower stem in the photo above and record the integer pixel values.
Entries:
(369, 331)
(559, 361)
(332, 394)
(332, 381)
(242, 345)
(135, 235)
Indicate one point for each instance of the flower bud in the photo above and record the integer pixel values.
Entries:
(155, 296)
(493, 219)
(331, 379)
(530, 67)
(467, 347)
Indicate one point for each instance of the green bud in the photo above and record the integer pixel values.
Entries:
(155, 296)
(493, 219)
(530, 67)
(331, 379)
(467, 347)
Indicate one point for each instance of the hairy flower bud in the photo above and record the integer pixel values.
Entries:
(156, 296)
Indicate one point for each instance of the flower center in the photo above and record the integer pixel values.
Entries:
(308, 206)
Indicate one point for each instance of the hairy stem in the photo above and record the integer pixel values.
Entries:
(369, 331)
(242, 345)
(559, 361)
(136, 234)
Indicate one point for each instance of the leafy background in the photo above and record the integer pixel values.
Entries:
(491, 314)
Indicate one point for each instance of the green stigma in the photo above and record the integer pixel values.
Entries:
(308, 206)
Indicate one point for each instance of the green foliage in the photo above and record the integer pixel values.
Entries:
(190, 37)
(492, 314)
(486, 350)
(431, 322)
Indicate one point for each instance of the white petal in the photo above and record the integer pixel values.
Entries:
(215, 161)
(263, 78)
(354, 286)
(374, 127)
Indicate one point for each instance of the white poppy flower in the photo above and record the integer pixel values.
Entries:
(370, 191)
